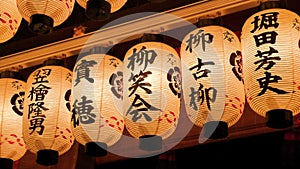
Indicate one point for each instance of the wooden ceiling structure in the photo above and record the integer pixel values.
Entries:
(25, 39)
(27, 43)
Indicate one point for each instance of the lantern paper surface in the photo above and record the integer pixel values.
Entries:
(152, 89)
(10, 19)
(270, 46)
(46, 120)
(212, 76)
(115, 4)
(97, 99)
(58, 10)
(12, 92)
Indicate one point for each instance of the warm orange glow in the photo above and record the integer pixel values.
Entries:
(152, 84)
(272, 65)
(11, 101)
(46, 120)
(98, 81)
(212, 77)
(10, 20)
(59, 11)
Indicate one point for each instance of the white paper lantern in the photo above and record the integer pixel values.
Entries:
(270, 45)
(152, 89)
(101, 9)
(46, 121)
(97, 93)
(212, 79)
(44, 15)
(10, 19)
(12, 91)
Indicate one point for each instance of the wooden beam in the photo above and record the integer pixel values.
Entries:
(65, 161)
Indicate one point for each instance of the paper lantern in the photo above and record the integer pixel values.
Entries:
(270, 45)
(152, 89)
(44, 15)
(97, 92)
(101, 9)
(12, 91)
(10, 19)
(46, 121)
(212, 79)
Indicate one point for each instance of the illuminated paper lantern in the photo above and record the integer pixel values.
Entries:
(46, 121)
(101, 9)
(97, 92)
(12, 91)
(152, 89)
(212, 79)
(44, 15)
(270, 45)
(10, 19)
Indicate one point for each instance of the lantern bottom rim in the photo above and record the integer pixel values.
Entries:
(41, 24)
(96, 149)
(279, 118)
(47, 157)
(150, 142)
(6, 163)
(98, 10)
(215, 129)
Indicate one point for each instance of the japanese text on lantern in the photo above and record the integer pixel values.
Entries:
(202, 93)
(139, 106)
(82, 109)
(37, 95)
(267, 59)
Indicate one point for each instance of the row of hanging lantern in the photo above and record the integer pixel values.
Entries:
(36, 115)
(43, 15)
(103, 95)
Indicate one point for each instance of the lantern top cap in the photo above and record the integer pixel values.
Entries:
(208, 22)
(11, 74)
(271, 5)
(99, 10)
(150, 37)
(54, 62)
(41, 24)
(99, 50)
